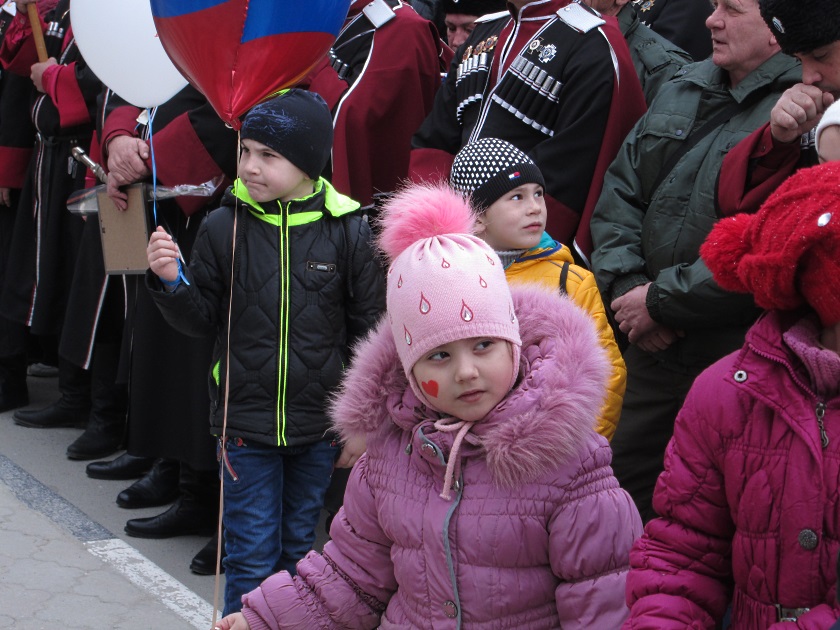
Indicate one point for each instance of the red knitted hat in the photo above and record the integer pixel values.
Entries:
(788, 253)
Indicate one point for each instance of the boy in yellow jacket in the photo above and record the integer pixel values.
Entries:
(507, 190)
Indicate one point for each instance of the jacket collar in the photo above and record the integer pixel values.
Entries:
(546, 248)
(765, 335)
(766, 364)
(628, 20)
(707, 75)
(540, 425)
(324, 197)
(540, 9)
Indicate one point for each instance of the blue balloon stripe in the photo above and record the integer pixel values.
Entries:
(269, 17)
(277, 18)
(176, 8)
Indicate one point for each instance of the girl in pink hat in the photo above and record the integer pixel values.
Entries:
(484, 499)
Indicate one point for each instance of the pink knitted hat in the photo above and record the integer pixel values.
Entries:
(444, 284)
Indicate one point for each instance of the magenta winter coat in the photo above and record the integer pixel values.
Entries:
(748, 500)
(537, 533)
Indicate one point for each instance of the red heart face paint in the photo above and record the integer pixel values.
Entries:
(430, 387)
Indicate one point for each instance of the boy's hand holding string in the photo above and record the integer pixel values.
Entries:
(164, 258)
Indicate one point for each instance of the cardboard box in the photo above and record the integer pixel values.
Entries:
(125, 233)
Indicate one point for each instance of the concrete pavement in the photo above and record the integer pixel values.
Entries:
(64, 560)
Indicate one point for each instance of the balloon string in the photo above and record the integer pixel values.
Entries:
(151, 115)
(151, 112)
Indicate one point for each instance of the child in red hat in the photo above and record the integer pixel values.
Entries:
(749, 501)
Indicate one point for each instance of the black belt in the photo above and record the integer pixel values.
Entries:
(789, 614)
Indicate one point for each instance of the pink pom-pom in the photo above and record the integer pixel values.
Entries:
(724, 248)
(421, 211)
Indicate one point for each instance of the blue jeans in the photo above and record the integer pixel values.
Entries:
(273, 496)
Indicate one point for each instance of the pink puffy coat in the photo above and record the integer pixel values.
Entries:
(537, 532)
(749, 499)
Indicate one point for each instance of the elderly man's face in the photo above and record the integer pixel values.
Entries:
(741, 40)
(821, 67)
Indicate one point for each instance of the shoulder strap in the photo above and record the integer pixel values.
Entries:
(353, 43)
(489, 17)
(380, 12)
(580, 17)
(709, 126)
(349, 254)
(564, 278)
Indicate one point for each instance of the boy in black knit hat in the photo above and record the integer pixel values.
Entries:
(506, 189)
(283, 275)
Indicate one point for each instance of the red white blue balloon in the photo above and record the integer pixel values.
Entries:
(237, 52)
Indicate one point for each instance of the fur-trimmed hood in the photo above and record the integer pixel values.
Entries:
(540, 424)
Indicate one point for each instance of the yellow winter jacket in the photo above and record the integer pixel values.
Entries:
(551, 263)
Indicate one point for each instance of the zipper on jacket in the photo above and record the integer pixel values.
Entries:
(820, 409)
(283, 322)
(820, 416)
(450, 564)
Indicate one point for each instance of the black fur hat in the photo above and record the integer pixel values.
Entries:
(473, 7)
(801, 26)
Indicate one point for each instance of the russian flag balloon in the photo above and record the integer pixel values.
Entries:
(237, 52)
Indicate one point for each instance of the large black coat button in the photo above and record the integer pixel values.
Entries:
(808, 539)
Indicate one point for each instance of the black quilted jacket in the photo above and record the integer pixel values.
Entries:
(306, 286)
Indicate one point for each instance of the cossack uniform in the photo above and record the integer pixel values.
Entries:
(557, 82)
(379, 80)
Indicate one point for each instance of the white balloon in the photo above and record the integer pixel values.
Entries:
(118, 40)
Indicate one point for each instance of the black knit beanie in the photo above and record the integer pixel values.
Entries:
(488, 168)
(801, 26)
(474, 7)
(297, 125)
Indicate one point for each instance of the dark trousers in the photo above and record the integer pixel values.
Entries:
(655, 393)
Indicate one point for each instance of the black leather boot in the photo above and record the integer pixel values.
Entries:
(184, 518)
(195, 512)
(123, 467)
(13, 390)
(158, 487)
(204, 562)
(105, 432)
(71, 410)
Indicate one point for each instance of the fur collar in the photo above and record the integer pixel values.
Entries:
(539, 426)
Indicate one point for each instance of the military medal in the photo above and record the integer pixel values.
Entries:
(547, 53)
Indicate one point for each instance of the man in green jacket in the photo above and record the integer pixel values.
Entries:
(656, 207)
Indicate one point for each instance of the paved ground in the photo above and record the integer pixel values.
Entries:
(64, 559)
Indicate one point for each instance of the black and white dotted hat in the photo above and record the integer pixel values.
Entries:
(488, 168)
